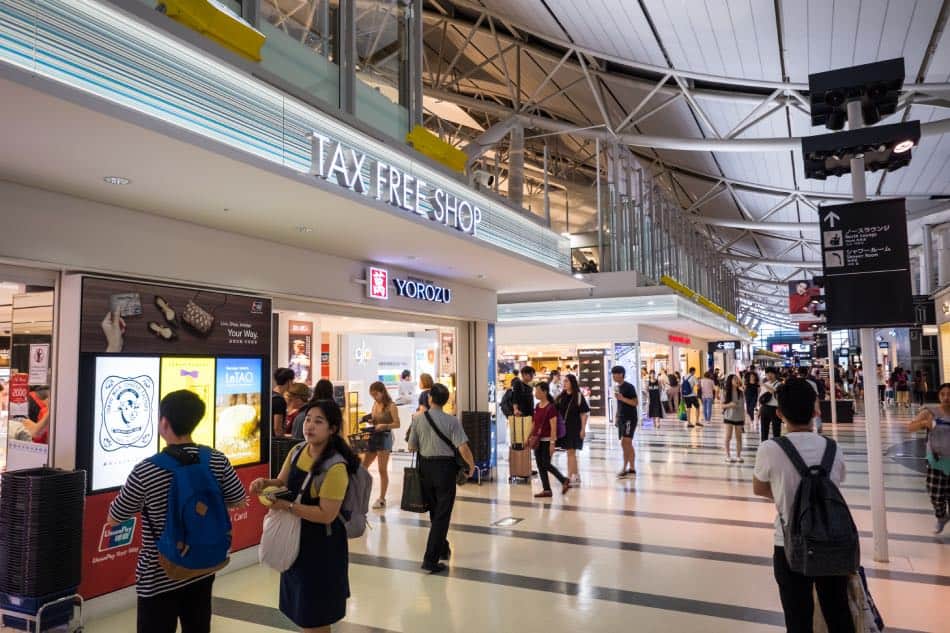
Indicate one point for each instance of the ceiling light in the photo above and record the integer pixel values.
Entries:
(565, 234)
(578, 276)
(650, 303)
(116, 180)
(304, 229)
(903, 146)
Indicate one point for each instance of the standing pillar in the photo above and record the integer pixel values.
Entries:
(943, 258)
(926, 261)
(516, 168)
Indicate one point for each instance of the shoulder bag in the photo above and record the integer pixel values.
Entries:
(280, 540)
(461, 476)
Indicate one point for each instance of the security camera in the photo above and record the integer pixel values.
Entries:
(482, 179)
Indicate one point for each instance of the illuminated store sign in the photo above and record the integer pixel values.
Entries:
(684, 340)
(373, 178)
(378, 280)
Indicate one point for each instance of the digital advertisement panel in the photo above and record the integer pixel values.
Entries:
(195, 375)
(125, 417)
(238, 410)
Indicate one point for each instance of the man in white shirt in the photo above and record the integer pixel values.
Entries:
(776, 478)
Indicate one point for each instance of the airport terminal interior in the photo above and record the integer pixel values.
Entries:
(395, 316)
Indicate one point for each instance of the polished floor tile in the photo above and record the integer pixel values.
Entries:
(683, 546)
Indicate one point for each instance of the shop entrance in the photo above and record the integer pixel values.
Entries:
(26, 345)
(353, 352)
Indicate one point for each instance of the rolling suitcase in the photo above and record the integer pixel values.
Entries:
(519, 428)
(519, 465)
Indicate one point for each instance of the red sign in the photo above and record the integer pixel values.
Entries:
(683, 340)
(109, 554)
(19, 394)
(377, 280)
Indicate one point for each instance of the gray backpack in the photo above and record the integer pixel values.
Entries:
(939, 441)
(821, 538)
(356, 502)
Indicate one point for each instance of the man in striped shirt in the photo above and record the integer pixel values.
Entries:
(162, 602)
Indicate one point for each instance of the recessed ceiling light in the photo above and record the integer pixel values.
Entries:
(578, 276)
(117, 180)
(565, 234)
(304, 229)
(650, 303)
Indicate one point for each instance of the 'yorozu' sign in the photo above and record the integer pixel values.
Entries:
(365, 175)
(377, 287)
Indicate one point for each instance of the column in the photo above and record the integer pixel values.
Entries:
(943, 258)
(516, 168)
(926, 260)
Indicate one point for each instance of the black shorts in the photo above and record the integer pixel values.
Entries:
(691, 401)
(626, 428)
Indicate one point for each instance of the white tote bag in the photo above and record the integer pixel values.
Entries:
(280, 540)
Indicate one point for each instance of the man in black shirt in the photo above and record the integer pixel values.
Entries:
(283, 378)
(627, 404)
(523, 393)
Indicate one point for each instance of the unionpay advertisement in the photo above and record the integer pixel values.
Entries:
(125, 418)
(238, 409)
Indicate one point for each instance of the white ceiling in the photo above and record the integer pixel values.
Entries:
(57, 145)
(743, 39)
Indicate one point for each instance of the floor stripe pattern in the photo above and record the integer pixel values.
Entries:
(683, 546)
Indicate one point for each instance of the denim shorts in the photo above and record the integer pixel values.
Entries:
(381, 442)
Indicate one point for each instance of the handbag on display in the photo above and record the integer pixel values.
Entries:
(280, 539)
(197, 318)
(412, 497)
(461, 475)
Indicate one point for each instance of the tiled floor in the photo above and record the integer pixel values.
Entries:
(683, 547)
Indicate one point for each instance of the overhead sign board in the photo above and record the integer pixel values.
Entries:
(724, 346)
(866, 264)
(378, 282)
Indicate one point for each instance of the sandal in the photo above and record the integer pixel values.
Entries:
(167, 312)
(163, 332)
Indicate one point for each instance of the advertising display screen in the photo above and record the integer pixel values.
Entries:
(238, 410)
(125, 418)
(195, 375)
(781, 348)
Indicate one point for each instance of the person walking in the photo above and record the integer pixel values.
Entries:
(902, 386)
(575, 410)
(674, 391)
(522, 392)
(768, 411)
(627, 409)
(920, 387)
(544, 428)
(937, 423)
(437, 469)
(691, 397)
(163, 601)
(385, 418)
(777, 479)
(298, 395)
(733, 415)
(707, 390)
(314, 591)
(655, 410)
(752, 389)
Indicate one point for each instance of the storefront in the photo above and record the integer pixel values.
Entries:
(942, 305)
(27, 316)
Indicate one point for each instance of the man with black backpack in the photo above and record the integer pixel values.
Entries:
(816, 541)
(184, 494)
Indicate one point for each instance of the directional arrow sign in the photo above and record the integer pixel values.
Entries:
(831, 218)
(866, 264)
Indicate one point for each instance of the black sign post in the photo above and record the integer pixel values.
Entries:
(866, 264)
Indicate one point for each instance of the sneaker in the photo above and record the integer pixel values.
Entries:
(691, 426)
(741, 461)
(631, 472)
(380, 504)
(729, 460)
(436, 568)
(941, 523)
(622, 474)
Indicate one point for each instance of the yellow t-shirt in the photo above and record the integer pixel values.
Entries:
(334, 484)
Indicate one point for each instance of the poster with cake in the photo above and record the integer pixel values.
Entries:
(238, 409)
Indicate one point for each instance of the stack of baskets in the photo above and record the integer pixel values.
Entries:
(41, 524)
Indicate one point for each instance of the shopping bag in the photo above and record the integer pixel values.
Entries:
(872, 615)
(682, 411)
(864, 613)
(412, 499)
(280, 540)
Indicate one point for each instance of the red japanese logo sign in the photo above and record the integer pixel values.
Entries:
(377, 280)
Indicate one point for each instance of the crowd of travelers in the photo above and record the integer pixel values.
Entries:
(321, 496)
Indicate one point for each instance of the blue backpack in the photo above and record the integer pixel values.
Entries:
(687, 388)
(196, 540)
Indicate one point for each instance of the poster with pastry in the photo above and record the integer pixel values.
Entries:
(238, 410)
